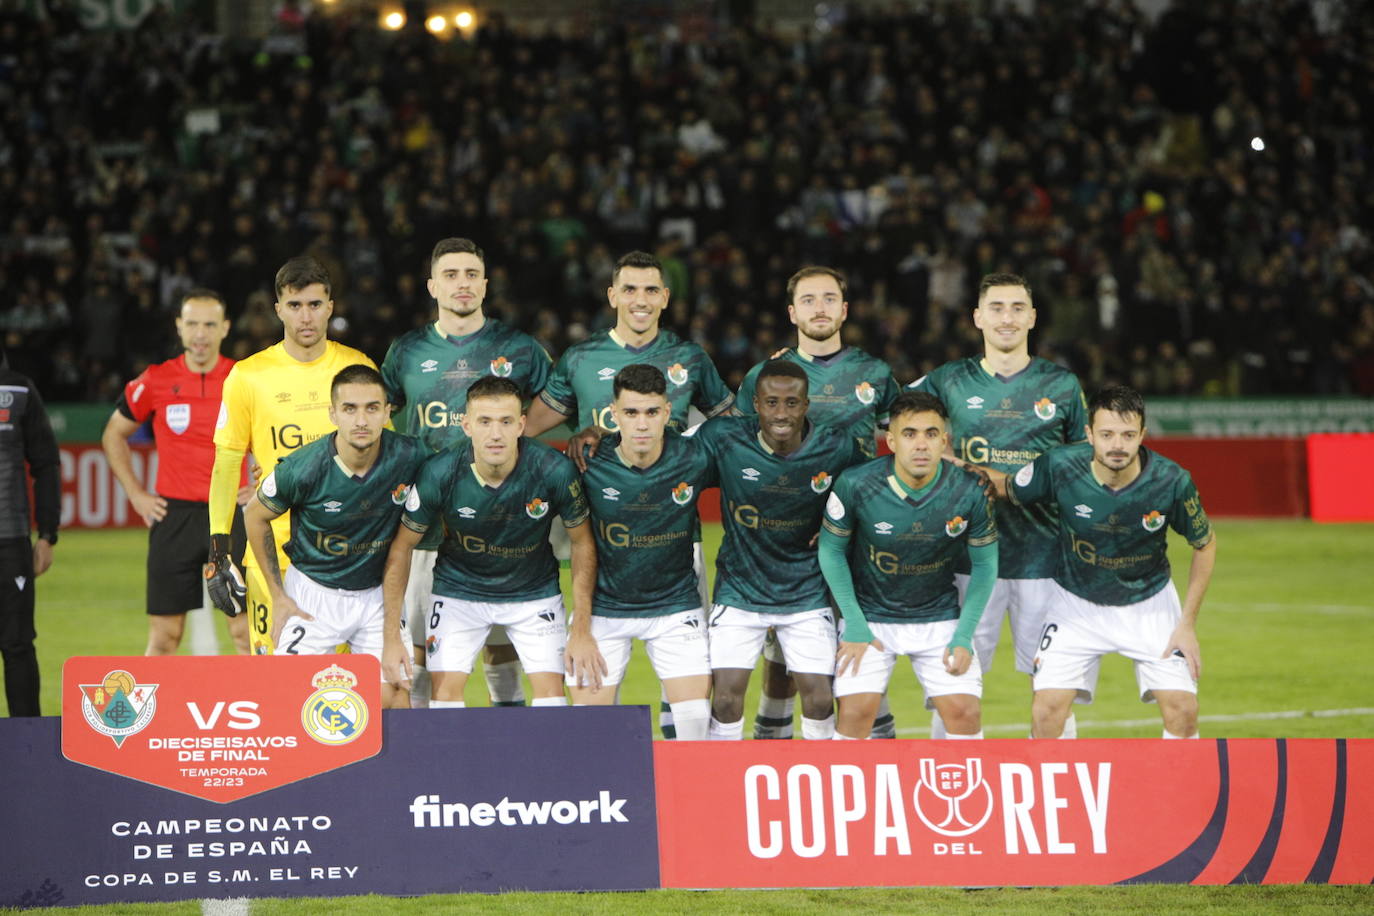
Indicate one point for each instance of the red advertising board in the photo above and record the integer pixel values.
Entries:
(1338, 477)
(996, 813)
(221, 727)
(91, 496)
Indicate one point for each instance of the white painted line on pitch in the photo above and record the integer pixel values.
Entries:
(238, 906)
(1024, 727)
(201, 626)
(1292, 606)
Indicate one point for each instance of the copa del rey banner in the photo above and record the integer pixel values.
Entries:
(221, 728)
(996, 813)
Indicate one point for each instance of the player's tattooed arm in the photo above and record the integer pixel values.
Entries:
(257, 523)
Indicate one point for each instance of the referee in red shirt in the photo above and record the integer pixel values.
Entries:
(182, 396)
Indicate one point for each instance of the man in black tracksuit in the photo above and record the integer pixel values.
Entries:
(26, 437)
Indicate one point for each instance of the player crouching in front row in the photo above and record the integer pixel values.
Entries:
(346, 491)
(642, 486)
(892, 530)
(496, 494)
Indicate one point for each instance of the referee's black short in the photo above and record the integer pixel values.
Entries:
(178, 547)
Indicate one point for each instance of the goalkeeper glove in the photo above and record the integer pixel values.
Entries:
(222, 578)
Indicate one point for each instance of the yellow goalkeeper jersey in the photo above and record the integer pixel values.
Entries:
(272, 404)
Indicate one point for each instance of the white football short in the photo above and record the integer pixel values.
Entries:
(1078, 633)
(807, 638)
(341, 616)
(676, 644)
(1026, 601)
(924, 644)
(458, 629)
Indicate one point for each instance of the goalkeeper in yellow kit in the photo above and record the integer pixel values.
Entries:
(274, 402)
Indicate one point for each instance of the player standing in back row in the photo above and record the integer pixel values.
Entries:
(274, 402)
(427, 371)
(847, 388)
(1006, 408)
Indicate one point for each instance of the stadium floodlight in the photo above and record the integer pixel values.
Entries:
(436, 24)
(1257, 144)
(394, 20)
(464, 19)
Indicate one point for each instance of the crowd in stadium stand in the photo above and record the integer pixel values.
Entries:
(1114, 160)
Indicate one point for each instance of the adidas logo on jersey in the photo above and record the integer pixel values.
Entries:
(429, 365)
(467, 512)
(975, 403)
(611, 493)
(333, 506)
(882, 528)
(750, 473)
(1083, 511)
(605, 374)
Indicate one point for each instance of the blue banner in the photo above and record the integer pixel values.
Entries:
(458, 800)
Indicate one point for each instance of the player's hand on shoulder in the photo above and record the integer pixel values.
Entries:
(223, 580)
(957, 660)
(582, 446)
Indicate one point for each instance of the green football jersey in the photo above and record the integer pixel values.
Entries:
(847, 389)
(903, 546)
(342, 524)
(580, 386)
(1112, 543)
(495, 543)
(771, 508)
(1004, 422)
(644, 521)
(428, 374)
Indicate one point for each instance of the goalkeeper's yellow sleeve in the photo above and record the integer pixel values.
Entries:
(224, 488)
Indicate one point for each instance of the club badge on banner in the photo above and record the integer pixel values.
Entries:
(992, 813)
(221, 727)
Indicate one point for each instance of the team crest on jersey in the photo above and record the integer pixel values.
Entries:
(118, 706)
(536, 508)
(955, 526)
(682, 493)
(398, 495)
(1045, 409)
(820, 483)
(501, 367)
(1152, 522)
(865, 393)
(431, 645)
(178, 417)
(334, 714)
(677, 374)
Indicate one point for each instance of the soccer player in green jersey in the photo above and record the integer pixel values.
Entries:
(427, 371)
(775, 470)
(1006, 408)
(494, 494)
(344, 492)
(892, 530)
(848, 388)
(1114, 592)
(643, 485)
(581, 384)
